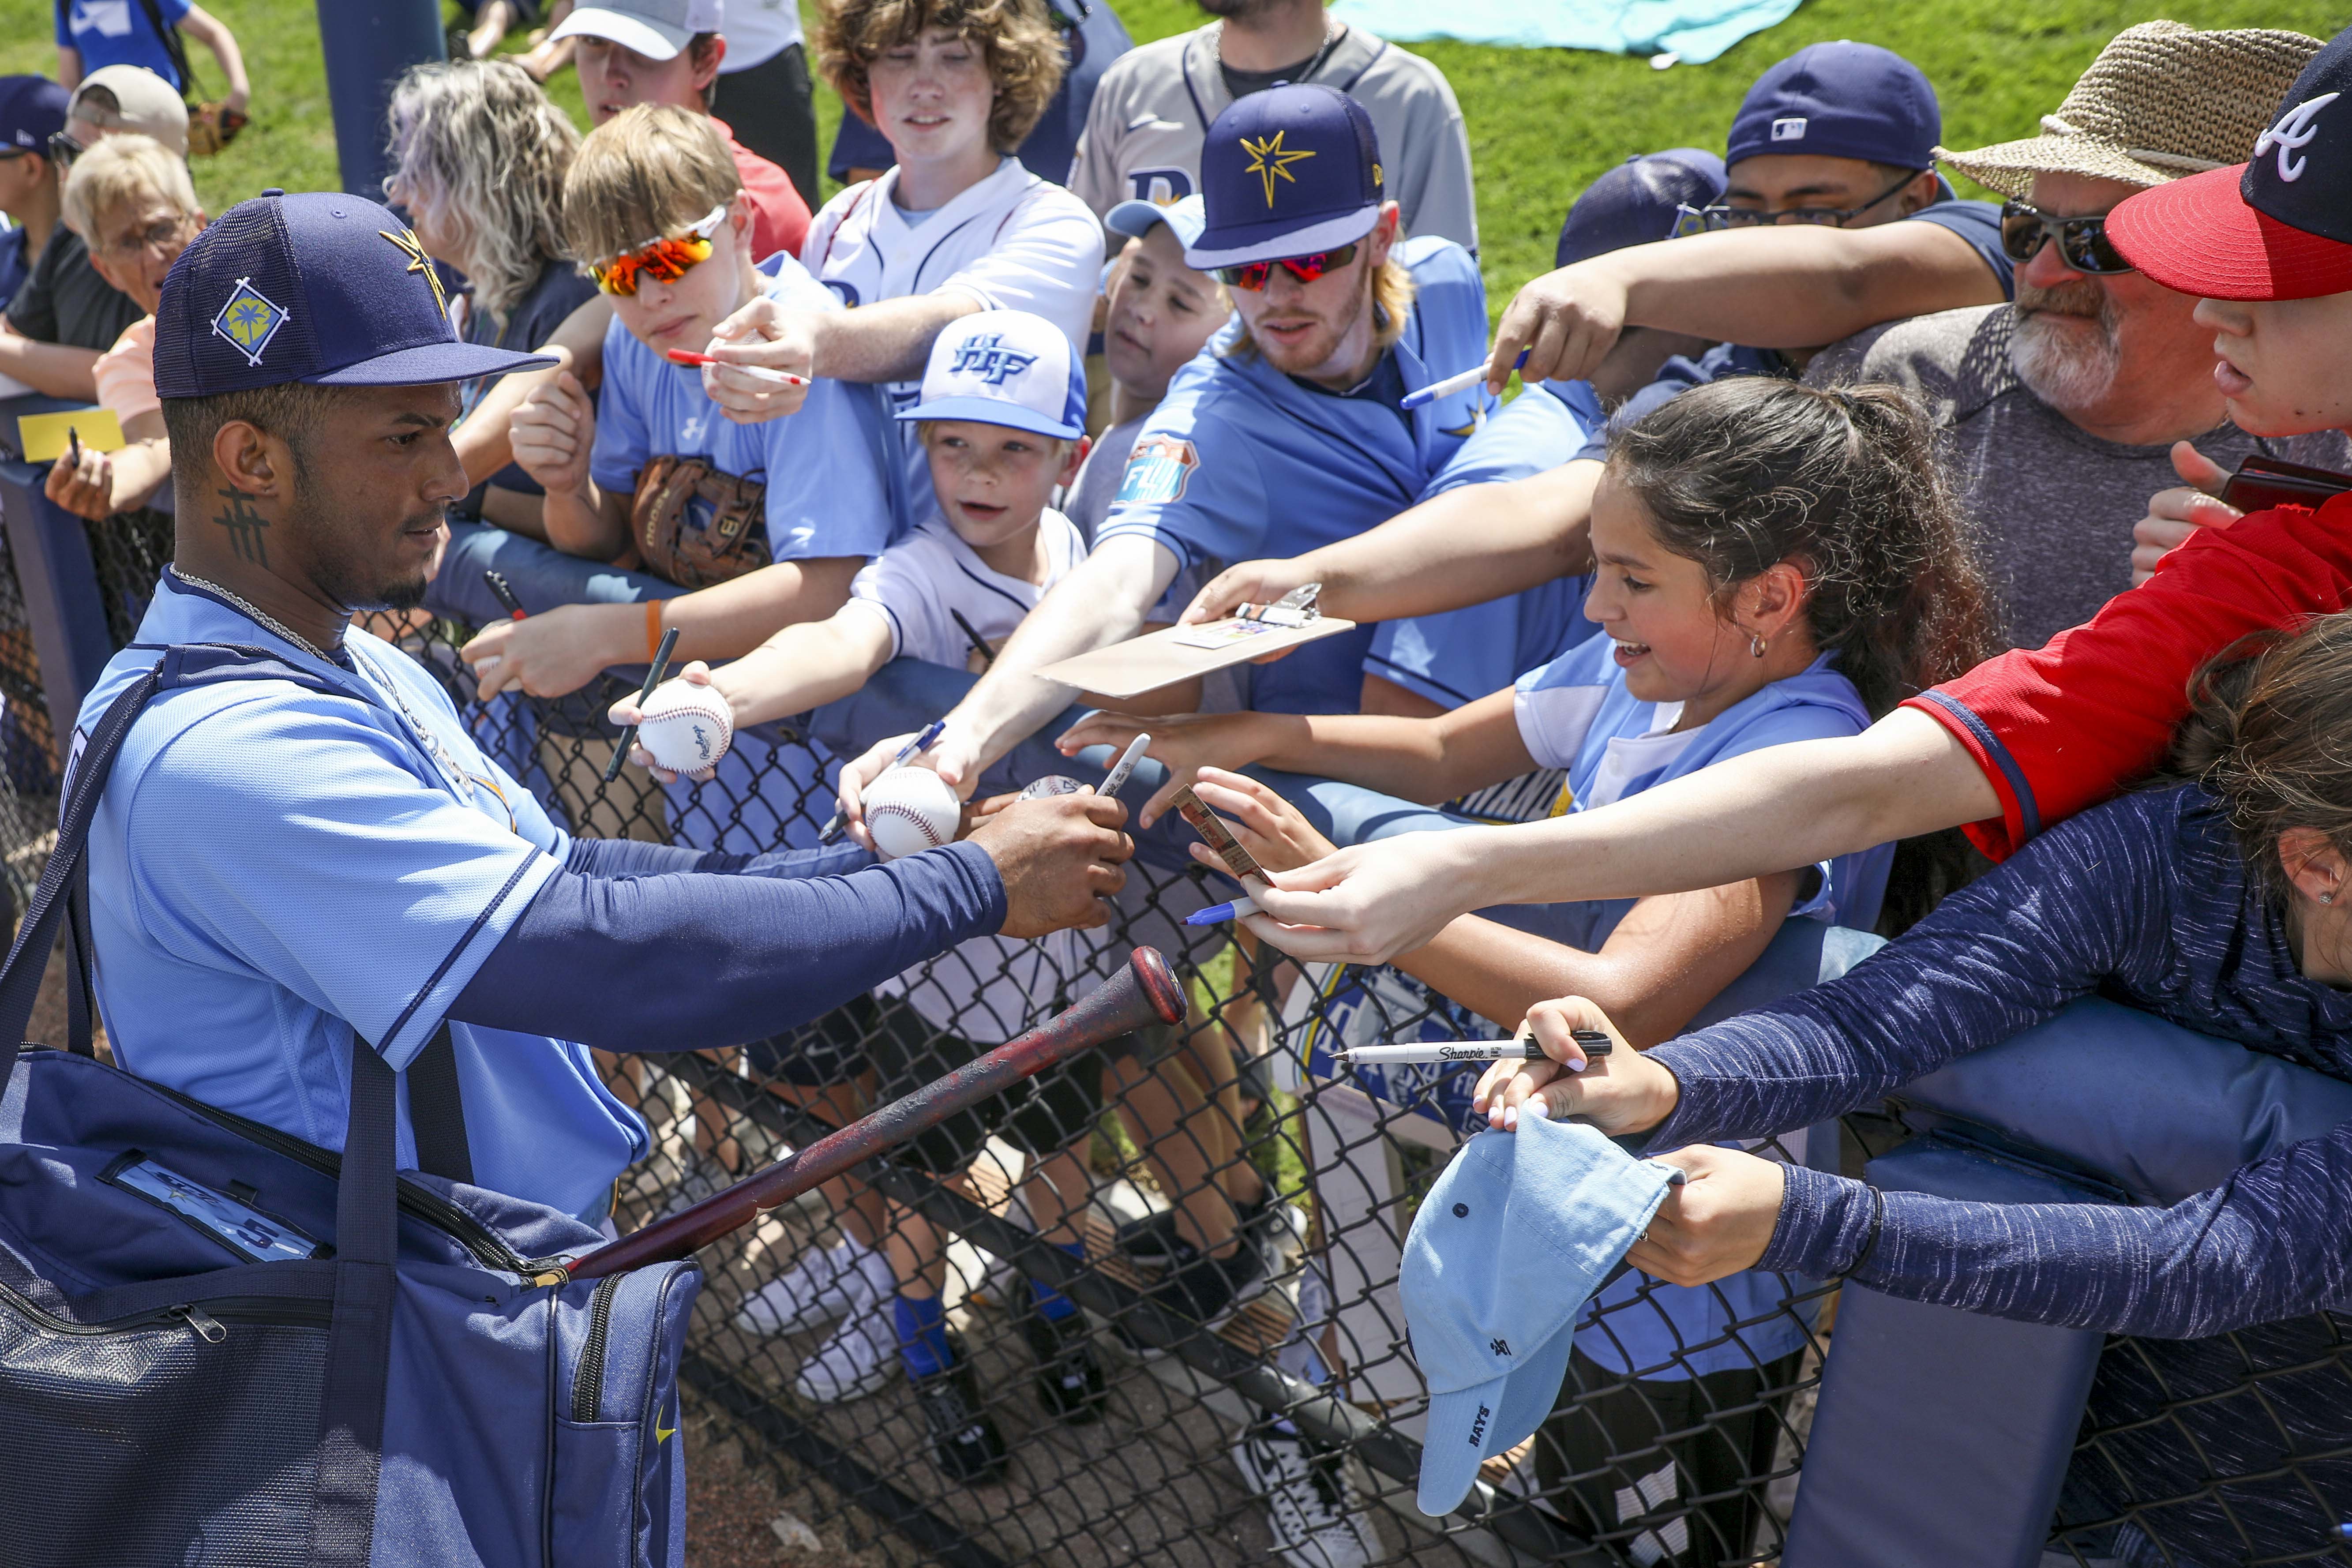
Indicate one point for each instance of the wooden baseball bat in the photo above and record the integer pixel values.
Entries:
(1142, 993)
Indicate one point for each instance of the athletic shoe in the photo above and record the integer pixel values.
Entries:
(1069, 1376)
(1315, 1518)
(965, 1439)
(1153, 1242)
(821, 1285)
(854, 1361)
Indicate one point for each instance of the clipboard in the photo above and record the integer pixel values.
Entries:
(1163, 658)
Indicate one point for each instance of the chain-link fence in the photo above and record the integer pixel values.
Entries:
(1146, 1308)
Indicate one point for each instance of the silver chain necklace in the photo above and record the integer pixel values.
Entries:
(1333, 31)
(257, 614)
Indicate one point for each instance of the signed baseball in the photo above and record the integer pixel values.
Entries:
(910, 810)
(687, 728)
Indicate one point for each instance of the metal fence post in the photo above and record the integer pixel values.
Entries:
(367, 44)
(60, 582)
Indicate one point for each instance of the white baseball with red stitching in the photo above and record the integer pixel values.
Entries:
(910, 810)
(687, 728)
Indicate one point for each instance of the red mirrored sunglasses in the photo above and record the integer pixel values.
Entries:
(1252, 275)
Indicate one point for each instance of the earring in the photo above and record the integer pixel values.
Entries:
(1755, 644)
(2326, 898)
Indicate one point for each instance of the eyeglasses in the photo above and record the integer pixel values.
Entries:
(1720, 217)
(63, 149)
(665, 260)
(2083, 242)
(161, 235)
(1252, 275)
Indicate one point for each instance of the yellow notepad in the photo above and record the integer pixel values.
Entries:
(41, 436)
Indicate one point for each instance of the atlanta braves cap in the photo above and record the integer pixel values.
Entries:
(2278, 227)
(1841, 99)
(1513, 1238)
(318, 286)
(1288, 172)
(1005, 367)
(1644, 198)
(656, 29)
(1185, 219)
(32, 109)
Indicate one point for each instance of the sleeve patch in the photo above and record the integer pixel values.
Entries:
(1156, 472)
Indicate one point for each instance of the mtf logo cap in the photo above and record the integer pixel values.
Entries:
(319, 287)
(1286, 172)
(1005, 367)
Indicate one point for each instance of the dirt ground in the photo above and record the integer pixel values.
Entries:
(730, 1505)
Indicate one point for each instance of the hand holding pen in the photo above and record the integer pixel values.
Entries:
(914, 747)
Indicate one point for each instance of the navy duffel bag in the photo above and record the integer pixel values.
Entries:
(220, 1344)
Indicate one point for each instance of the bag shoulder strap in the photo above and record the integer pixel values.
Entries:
(174, 48)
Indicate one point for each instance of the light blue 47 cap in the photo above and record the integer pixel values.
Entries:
(1185, 219)
(1512, 1240)
(1005, 367)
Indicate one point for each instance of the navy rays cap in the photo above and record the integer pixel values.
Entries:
(1841, 99)
(1649, 197)
(1286, 172)
(318, 286)
(2278, 227)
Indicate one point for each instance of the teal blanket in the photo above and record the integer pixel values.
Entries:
(1695, 30)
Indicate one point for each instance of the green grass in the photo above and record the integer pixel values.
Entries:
(1543, 123)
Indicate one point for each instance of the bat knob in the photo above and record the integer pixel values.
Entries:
(1157, 984)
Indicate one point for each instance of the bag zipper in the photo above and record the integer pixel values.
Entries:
(588, 1383)
(207, 1321)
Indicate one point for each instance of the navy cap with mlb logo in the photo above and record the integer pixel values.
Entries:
(1841, 99)
(1288, 172)
(2278, 227)
(319, 287)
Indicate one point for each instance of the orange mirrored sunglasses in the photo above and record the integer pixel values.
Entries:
(664, 261)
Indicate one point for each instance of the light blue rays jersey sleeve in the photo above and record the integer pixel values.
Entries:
(1459, 655)
(835, 483)
(1240, 461)
(276, 872)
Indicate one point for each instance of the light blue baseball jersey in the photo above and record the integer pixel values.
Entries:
(835, 483)
(276, 871)
(1240, 461)
(1460, 656)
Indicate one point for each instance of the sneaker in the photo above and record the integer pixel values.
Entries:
(854, 1361)
(1153, 1241)
(1314, 1513)
(1069, 1374)
(821, 1285)
(964, 1439)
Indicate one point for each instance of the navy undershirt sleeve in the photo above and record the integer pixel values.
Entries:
(685, 961)
(635, 858)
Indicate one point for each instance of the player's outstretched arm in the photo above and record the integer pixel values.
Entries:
(1782, 807)
(805, 666)
(1464, 547)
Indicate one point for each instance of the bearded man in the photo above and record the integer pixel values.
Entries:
(2061, 410)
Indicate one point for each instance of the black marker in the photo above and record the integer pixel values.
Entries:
(653, 674)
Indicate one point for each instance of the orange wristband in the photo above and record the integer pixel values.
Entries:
(653, 629)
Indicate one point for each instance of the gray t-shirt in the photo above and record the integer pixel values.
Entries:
(2056, 505)
(1155, 104)
(1088, 500)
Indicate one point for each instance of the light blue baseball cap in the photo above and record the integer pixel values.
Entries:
(1135, 219)
(1005, 367)
(1514, 1238)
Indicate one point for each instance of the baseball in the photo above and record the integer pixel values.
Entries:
(1051, 785)
(687, 728)
(910, 810)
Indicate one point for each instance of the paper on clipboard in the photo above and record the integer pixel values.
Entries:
(1178, 653)
(44, 437)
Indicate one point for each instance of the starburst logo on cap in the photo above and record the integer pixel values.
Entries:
(248, 319)
(408, 244)
(1269, 161)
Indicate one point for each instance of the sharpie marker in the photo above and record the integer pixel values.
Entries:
(1124, 766)
(1430, 394)
(912, 749)
(1590, 1041)
(1217, 914)
(653, 673)
(756, 372)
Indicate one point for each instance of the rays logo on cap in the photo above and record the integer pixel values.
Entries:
(248, 319)
(990, 360)
(408, 244)
(1269, 160)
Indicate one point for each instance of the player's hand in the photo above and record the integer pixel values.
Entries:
(2174, 515)
(1269, 827)
(552, 433)
(85, 488)
(767, 334)
(953, 758)
(1623, 1092)
(1371, 901)
(547, 655)
(1251, 583)
(1568, 321)
(1059, 858)
(1717, 1221)
(1184, 743)
(626, 712)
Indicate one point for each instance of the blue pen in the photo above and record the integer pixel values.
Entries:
(1452, 384)
(914, 748)
(1217, 914)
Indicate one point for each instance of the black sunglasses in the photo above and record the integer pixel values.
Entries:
(2083, 242)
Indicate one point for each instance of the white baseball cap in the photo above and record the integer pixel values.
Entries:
(1005, 367)
(656, 29)
(140, 100)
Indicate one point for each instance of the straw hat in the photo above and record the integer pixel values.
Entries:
(2161, 101)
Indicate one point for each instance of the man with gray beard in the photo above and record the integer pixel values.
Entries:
(2061, 409)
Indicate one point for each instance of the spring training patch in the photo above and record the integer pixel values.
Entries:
(1156, 471)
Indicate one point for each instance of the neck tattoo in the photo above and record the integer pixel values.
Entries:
(254, 613)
